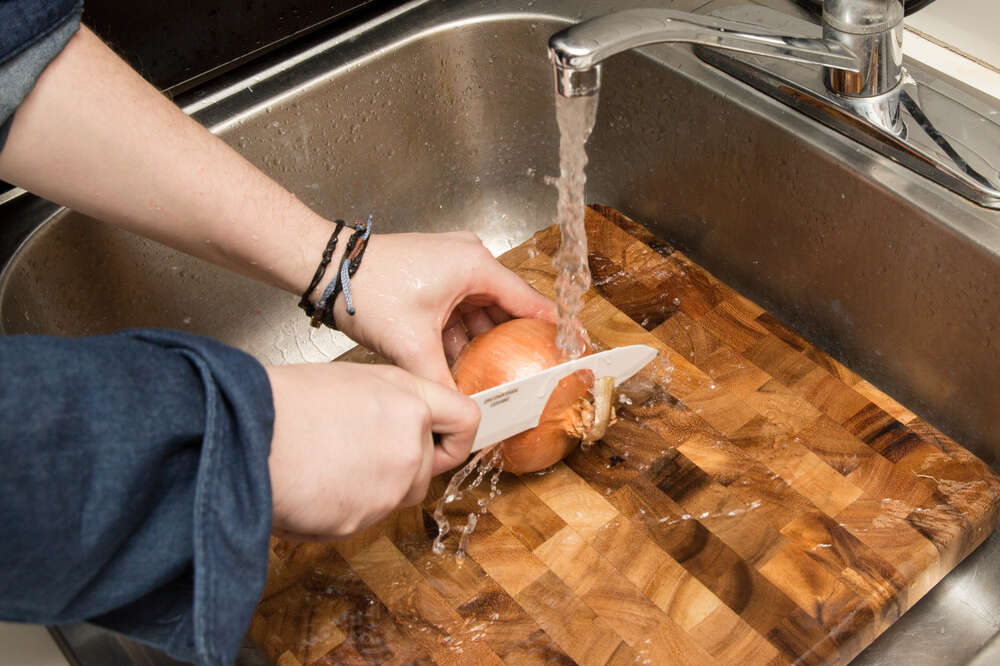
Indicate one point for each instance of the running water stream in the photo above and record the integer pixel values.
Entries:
(575, 117)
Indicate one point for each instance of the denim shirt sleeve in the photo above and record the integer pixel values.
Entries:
(33, 33)
(134, 488)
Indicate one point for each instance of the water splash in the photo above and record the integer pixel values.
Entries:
(576, 117)
(463, 541)
(486, 461)
(668, 521)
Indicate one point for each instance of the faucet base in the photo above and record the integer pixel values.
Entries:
(926, 123)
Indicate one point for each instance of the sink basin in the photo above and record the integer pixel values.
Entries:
(437, 118)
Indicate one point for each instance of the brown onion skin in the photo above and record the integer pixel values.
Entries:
(516, 349)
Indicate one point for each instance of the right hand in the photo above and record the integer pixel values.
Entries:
(353, 442)
(421, 296)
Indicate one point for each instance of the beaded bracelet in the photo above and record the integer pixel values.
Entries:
(331, 246)
(349, 263)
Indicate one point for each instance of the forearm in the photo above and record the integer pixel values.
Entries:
(94, 136)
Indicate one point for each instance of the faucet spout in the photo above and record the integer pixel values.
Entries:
(578, 51)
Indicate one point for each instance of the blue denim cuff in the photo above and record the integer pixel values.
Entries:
(232, 502)
(135, 490)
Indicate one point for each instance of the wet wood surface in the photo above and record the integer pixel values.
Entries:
(756, 503)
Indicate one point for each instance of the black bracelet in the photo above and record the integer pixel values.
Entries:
(331, 246)
(341, 281)
(324, 307)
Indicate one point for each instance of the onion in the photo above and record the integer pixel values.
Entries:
(522, 347)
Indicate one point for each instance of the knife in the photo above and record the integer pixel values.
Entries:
(517, 406)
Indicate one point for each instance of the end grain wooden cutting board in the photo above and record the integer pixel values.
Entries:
(766, 506)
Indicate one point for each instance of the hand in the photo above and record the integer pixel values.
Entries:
(353, 442)
(419, 297)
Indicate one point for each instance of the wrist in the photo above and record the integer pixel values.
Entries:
(339, 262)
(333, 251)
(310, 255)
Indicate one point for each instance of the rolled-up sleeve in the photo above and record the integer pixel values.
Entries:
(33, 33)
(134, 490)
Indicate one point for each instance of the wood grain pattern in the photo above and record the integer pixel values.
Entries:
(756, 503)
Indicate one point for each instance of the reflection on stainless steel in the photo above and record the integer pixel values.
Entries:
(10, 194)
(577, 51)
(881, 58)
(442, 117)
(873, 30)
(953, 139)
(989, 655)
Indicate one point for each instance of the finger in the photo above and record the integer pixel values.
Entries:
(422, 480)
(454, 340)
(497, 314)
(429, 362)
(455, 418)
(512, 294)
(477, 321)
(448, 455)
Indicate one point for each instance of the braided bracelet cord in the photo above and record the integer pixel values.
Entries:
(329, 296)
(348, 269)
(331, 246)
(349, 264)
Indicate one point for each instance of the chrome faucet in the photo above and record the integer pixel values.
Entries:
(577, 52)
(848, 74)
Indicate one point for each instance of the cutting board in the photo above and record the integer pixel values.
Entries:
(756, 503)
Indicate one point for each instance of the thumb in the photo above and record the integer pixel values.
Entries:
(429, 362)
(454, 417)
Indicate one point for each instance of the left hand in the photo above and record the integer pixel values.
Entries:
(351, 443)
(419, 297)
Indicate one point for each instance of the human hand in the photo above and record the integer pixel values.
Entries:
(419, 297)
(353, 442)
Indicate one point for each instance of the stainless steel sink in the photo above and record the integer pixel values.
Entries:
(441, 116)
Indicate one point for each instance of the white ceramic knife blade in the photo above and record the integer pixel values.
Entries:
(516, 406)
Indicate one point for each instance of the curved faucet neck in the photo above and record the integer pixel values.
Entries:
(577, 51)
